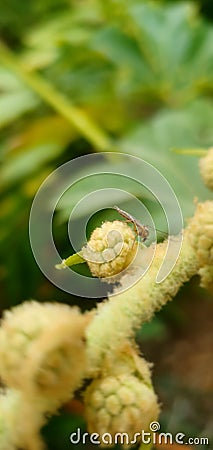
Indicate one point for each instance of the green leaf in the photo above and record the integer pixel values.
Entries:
(152, 141)
(26, 163)
(191, 61)
(15, 104)
(8, 81)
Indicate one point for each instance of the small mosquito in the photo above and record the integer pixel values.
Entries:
(141, 230)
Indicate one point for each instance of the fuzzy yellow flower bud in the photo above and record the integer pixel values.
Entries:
(110, 249)
(120, 404)
(206, 168)
(42, 349)
(200, 232)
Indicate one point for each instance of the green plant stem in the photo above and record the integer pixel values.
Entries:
(117, 319)
(76, 116)
(71, 261)
(190, 151)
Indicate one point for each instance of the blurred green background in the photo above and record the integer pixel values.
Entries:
(85, 76)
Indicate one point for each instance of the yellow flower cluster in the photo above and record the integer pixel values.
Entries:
(46, 350)
(206, 168)
(120, 404)
(200, 233)
(111, 249)
(42, 349)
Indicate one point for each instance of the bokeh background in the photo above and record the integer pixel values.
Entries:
(85, 76)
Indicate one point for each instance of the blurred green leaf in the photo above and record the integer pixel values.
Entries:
(9, 81)
(25, 164)
(153, 141)
(15, 104)
(42, 142)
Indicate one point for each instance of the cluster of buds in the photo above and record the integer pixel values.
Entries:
(111, 249)
(41, 346)
(120, 404)
(42, 361)
(47, 350)
(121, 400)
